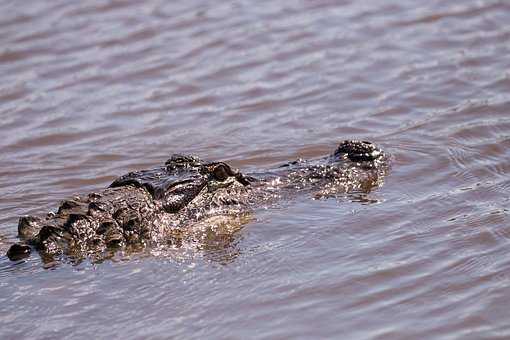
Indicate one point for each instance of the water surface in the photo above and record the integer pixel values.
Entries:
(91, 90)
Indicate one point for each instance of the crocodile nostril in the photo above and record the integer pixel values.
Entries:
(358, 151)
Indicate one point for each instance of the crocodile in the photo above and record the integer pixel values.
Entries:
(161, 205)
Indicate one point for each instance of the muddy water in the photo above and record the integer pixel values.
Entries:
(93, 89)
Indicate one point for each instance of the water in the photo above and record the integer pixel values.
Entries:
(91, 90)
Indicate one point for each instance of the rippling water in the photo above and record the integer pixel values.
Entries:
(93, 89)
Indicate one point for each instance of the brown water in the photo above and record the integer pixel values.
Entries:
(93, 89)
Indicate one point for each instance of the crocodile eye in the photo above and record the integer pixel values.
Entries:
(221, 172)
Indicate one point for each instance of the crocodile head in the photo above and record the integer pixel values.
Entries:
(187, 195)
(185, 179)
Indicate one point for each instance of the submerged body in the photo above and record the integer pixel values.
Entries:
(160, 206)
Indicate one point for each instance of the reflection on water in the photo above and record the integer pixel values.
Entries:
(91, 90)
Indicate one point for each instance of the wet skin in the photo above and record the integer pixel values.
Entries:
(158, 206)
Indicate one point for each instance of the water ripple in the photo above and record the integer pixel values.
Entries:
(94, 89)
